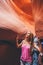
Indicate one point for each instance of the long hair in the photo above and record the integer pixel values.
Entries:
(31, 39)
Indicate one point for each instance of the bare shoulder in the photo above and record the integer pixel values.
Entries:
(23, 41)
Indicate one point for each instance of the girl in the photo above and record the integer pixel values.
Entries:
(26, 58)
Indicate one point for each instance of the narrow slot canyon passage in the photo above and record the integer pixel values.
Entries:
(9, 53)
(18, 17)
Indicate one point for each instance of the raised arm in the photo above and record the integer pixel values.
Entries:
(17, 43)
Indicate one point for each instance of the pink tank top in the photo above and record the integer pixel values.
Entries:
(25, 53)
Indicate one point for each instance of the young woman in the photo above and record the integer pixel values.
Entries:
(26, 58)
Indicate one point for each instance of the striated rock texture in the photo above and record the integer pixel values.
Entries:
(37, 6)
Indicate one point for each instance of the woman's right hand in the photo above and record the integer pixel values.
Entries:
(17, 37)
